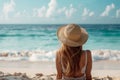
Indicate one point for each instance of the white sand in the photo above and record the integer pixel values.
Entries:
(31, 68)
(106, 68)
(100, 68)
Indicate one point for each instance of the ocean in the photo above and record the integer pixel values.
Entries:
(38, 42)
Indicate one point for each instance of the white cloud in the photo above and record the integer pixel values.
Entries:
(87, 12)
(8, 7)
(91, 13)
(108, 9)
(44, 12)
(118, 13)
(61, 10)
(67, 11)
(70, 11)
(21, 14)
(51, 8)
(39, 12)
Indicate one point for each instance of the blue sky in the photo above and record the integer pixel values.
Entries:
(59, 11)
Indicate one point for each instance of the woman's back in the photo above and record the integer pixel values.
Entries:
(72, 62)
(83, 71)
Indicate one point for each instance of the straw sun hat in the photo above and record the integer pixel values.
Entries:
(72, 35)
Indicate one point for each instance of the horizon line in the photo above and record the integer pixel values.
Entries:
(58, 23)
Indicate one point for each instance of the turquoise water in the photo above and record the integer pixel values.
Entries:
(43, 37)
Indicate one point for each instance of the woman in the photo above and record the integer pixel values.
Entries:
(73, 63)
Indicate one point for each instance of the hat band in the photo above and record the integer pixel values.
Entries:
(68, 41)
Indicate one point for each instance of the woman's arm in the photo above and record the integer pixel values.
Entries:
(89, 65)
(58, 66)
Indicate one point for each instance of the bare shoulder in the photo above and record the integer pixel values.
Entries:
(88, 52)
(58, 53)
(57, 57)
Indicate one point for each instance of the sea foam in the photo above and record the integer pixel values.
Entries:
(41, 55)
(105, 55)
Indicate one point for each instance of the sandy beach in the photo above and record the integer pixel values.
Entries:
(107, 70)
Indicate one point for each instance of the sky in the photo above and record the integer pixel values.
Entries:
(59, 11)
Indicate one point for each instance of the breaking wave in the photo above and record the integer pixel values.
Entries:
(42, 55)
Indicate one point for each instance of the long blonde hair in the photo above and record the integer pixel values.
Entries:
(70, 58)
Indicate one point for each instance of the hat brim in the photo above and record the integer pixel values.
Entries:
(64, 40)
